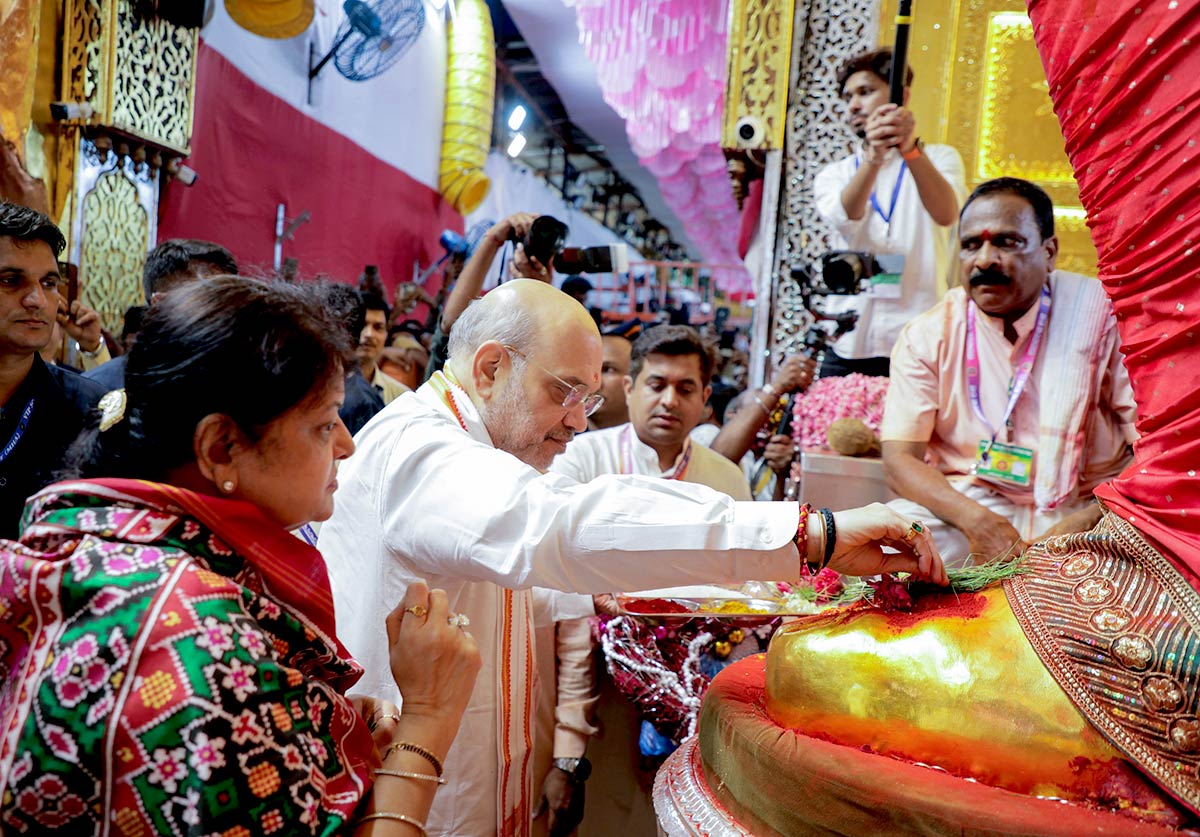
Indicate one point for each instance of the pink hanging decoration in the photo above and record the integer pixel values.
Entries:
(661, 66)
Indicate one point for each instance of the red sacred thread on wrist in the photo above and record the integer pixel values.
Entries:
(801, 539)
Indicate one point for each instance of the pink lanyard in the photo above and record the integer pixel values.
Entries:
(626, 455)
(1020, 379)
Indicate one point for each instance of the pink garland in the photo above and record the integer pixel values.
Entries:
(829, 399)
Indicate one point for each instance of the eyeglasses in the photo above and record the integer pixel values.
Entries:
(577, 394)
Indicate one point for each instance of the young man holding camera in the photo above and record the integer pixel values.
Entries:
(893, 195)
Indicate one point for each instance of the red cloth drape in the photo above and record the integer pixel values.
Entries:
(1123, 78)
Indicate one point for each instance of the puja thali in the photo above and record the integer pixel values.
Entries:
(712, 602)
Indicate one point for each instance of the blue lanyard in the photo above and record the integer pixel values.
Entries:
(19, 432)
(887, 219)
(308, 534)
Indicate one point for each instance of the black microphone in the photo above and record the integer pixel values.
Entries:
(900, 52)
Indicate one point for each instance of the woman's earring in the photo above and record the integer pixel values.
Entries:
(227, 486)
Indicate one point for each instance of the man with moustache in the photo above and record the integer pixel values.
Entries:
(893, 195)
(1008, 401)
(42, 407)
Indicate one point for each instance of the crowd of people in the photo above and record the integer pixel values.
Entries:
(297, 558)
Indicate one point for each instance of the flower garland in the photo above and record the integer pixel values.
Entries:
(829, 399)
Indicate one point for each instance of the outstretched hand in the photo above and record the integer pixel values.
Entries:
(861, 535)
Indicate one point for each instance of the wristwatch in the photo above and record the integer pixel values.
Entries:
(914, 152)
(578, 769)
(93, 354)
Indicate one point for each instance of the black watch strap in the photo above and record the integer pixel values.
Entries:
(578, 769)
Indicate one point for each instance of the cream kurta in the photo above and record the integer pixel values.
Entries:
(603, 452)
(421, 498)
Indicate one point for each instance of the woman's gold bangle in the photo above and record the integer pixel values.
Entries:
(408, 774)
(388, 815)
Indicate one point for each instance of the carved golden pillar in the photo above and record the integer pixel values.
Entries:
(759, 62)
(138, 75)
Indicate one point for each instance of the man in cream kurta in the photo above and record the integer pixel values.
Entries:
(429, 495)
(1023, 360)
(666, 391)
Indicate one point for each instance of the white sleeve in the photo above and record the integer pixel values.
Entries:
(458, 507)
(550, 606)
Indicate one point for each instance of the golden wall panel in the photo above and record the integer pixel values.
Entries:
(979, 86)
(138, 75)
(759, 62)
(1019, 135)
(113, 248)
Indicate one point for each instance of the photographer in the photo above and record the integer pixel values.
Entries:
(470, 281)
(893, 195)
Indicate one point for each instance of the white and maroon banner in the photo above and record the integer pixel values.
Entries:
(362, 159)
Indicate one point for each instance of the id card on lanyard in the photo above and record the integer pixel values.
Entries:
(995, 461)
(886, 284)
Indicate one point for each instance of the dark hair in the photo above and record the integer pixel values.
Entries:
(877, 61)
(25, 224)
(135, 315)
(374, 302)
(672, 340)
(574, 285)
(722, 394)
(244, 348)
(173, 258)
(1034, 195)
(346, 307)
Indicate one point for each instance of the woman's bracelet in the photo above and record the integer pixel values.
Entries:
(388, 815)
(766, 410)
(419, 750)
(408, 774)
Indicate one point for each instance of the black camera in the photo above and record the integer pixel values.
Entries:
(850, 272)
(544, 240)
(819, 336)
(846, 272)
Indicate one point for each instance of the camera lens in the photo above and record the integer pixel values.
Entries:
(746, 131)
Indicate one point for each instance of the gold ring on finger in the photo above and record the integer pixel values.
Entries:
(915, 528)
(417, 610)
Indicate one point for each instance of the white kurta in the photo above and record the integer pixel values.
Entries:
(912, 232)
(421, 498)
(606, 452)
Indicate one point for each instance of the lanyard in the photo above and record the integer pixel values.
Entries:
(19, 432)
(626, 455)
(308, 534)
(1024, 369)
(887, 219)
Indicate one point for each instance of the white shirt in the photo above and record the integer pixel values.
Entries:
(421, 498)
(912, 232)
(605, 452)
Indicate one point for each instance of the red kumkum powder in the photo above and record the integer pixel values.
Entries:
(940, 605)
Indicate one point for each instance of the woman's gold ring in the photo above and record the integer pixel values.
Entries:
(417, 610)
